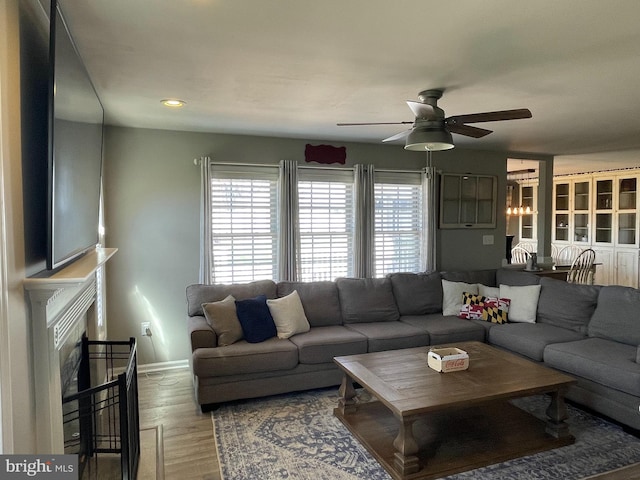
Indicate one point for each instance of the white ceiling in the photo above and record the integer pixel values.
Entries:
(293, 68)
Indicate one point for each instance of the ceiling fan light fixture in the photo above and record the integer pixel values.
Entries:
(428, 139)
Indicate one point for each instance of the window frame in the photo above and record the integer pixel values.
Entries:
(263, 180)
(332, 179)
(415, 216)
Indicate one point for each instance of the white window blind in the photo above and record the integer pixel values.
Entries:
(243, 223)
(398, 222)
(325, 200)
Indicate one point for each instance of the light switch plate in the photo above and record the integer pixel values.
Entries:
(487, 239)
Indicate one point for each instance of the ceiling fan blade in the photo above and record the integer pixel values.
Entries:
(422, 110)
(468, 130)
(489, 116)
(372, 123)
(397, 136)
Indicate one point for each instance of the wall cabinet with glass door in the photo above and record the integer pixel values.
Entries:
(626, 225)
(571, 211)
(561, 212)
(581, 210)
(600, 211)
(627, 211)
(603, 234)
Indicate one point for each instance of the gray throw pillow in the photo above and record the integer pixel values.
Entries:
(417, 293)
(223, 319)
(367, 300)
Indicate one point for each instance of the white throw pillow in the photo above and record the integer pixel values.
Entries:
(488, 291)
(288, 315)
(452, 295)
(524, 302)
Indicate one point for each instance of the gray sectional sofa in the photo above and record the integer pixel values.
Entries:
(589, 332)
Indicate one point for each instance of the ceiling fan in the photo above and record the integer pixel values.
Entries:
(432, 130)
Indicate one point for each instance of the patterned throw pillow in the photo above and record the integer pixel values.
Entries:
(471, 298)
(471, 312)
(496, 310)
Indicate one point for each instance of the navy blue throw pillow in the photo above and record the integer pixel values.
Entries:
(255, 319)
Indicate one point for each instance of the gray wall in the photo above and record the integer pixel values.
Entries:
(152, 216)
(464, 249)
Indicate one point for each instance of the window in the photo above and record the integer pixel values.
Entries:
(398, 222)
(468, 201)
(244, 229)
(243, 223)
(325, 202)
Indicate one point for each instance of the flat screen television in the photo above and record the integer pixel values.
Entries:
(75, 134)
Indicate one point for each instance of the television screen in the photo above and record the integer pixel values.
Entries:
(75, 150)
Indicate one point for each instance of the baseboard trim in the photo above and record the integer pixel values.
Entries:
(161, 366)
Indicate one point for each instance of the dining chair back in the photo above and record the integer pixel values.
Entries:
(568, 254)
(519, 255)
(581, 270)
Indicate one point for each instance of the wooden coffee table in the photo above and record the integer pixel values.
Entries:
(427, 424)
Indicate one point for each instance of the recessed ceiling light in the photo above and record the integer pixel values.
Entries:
(173, 102)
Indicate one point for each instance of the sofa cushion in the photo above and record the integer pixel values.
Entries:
(616, 317)
(321, 344)
(198, 294)
(243, 357)
(320, 301)
(603, 361)
(486, 277)
(508, 276)
(446, 329)
(567, 305)
(452, 295)
(530, 339)
(417, 293)
(224, 321)
(390, 335)
(255, 319)
(367, 300)
(523, 301)
(288, 315)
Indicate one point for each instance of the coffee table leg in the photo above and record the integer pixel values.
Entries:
(557, 426)
(405, 460)
(346, 403)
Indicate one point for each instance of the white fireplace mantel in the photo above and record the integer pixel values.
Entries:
(58, 302)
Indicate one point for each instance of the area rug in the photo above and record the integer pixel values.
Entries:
(296, 436)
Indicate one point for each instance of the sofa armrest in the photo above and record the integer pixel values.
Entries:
(200, 333)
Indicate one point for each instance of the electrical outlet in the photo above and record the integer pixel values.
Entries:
(144, 326)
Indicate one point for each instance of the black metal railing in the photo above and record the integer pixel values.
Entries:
(104, 418)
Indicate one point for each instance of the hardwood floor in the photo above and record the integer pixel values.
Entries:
(166, 398)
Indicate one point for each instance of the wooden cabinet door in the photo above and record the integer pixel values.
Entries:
(627, 268)
(604, 272)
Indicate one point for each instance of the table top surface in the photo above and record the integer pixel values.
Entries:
(402, 380)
